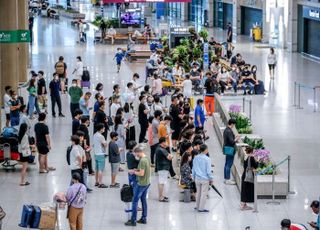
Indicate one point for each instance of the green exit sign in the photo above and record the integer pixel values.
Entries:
(14, 36)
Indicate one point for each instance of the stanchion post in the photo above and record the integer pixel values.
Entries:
(273, 191)
(314, 99)
(243, 104)
(294, 94)
(255, 205)
(289, 176)
(250, 109)
(299, 98)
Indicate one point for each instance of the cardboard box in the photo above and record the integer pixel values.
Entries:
(48, 218)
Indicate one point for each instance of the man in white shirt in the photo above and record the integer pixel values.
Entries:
(76, 157)
(6, 103)
(114, 106)
(111, 33)
(99, 147)
(187, 87)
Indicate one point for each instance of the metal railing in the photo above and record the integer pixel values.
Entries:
(297, 95)
(274, 169)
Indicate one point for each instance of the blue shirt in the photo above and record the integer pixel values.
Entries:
(83, 107)
(199, 112)
(201, 167)
(119, 57)
(54, 88)
(96, 106)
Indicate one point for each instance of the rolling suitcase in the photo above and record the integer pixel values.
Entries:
(36, 217)
(26, 217)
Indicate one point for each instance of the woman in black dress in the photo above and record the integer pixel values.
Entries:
(247, 188)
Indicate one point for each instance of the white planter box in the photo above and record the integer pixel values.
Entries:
(264, 182)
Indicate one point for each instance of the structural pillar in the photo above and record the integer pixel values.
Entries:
(292, 30)
(236, 19)
(265, 23)
(210, 12)
(9, 51)
(23, 47)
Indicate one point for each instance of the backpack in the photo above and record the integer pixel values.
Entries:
(68, 154)
(60, 68)
(126, 193)
(85, 75)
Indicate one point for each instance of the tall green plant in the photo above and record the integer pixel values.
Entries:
(204, 34)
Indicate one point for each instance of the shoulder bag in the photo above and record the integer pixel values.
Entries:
(73, 199)
(249, 177)
(2, 214)
(228, 150)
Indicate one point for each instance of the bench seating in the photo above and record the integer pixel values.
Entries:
(139, 54)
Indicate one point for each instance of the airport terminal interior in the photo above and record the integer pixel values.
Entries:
(257, 62)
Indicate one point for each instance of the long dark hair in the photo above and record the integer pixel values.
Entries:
(22, 131)
(117, 121)
(184, 159)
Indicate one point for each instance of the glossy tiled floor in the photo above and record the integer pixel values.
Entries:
(284, 129)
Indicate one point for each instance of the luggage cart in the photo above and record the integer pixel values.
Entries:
(97, 37)
(7, 162)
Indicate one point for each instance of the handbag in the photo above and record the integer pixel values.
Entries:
(228, 151)
(249, 177)
(2, 213)
(72, 202)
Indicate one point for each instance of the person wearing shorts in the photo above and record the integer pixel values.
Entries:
(163, 163)
(114, 159)
(99, 146)
(43, 143)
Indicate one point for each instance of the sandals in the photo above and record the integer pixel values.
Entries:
(43, 171)
(51, 169)
(102, 186)
(116, 185)
(25, 184)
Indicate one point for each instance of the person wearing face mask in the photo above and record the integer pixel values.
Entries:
(114, 159)
(54, 87)
(119, 128)
(195, 75)
(143, 119)
(247, 80)
(259, 85)
(235, 77)
(85, 122)
(43, 143)
(132, 163)
(14, 109)
(223, 79)
(84, 104)
(75, 93)
(78, 71)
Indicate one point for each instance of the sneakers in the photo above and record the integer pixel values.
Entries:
(204, 210)
(61, 115)
(245, 208)
(141, 221)
(230, 182)
(130, 223)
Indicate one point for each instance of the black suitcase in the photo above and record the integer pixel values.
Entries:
(85, 75)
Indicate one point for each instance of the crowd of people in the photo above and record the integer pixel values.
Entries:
(174, 132)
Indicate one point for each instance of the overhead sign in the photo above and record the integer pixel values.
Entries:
(14, 36)
(142, 1)
(205, 56)
(179, 30)
(311, 13)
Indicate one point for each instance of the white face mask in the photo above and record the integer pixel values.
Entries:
(74, 84)
(137, 158)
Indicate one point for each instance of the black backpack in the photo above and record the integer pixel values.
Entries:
(85, 75)
(68, 154)
(126, 193)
